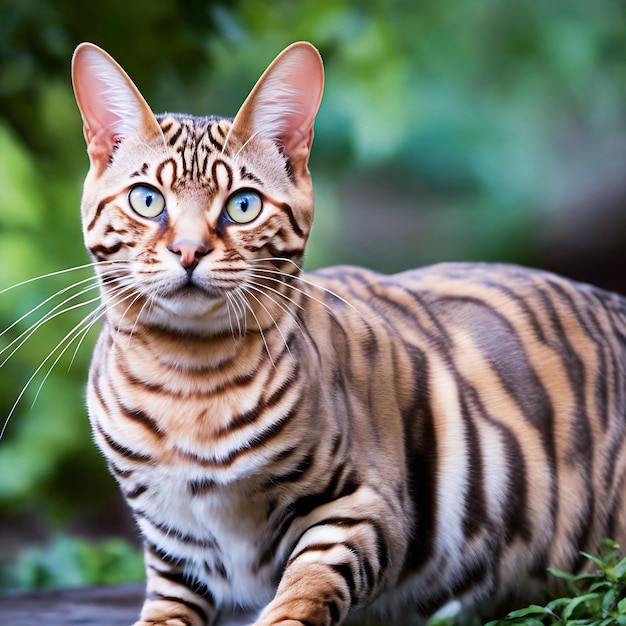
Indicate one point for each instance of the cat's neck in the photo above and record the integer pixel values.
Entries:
(241, 346)
(179, 351)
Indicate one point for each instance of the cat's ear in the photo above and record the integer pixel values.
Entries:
(111, 106)
(284, 102)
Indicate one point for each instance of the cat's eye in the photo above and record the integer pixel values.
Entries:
(243, 206)
(146, 201)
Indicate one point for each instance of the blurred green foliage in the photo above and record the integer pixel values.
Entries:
(71, 562)
(464, 122)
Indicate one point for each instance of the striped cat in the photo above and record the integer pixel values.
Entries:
(315, 445)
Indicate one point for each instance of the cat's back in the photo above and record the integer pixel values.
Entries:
(554, 346)
(470, 294)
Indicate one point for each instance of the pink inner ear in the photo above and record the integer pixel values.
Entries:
(96, 114)
(289, 96)
(109, 103)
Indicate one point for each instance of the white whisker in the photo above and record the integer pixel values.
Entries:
(278, 328)
(147, 303)
(69, 338)
(308, 283)
(156, 153)
(256, 319)
(276, 258)
(52, 297)
(75, 332)
(226, 140)
(49, 314)
(58, 273)
(132, 291)
(242, 322)
(276, 291)
(96, 315)
(27, 334)
(288, 311)
(230, 318)
(239, 309)
(79, 330)
(247, 141)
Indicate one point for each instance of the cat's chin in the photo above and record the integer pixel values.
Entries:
(192, 310)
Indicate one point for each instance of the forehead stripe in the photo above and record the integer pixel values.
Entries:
(214, 142)
(174, 138)
(162, 166)
(218, 177)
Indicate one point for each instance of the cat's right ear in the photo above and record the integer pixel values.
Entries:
(111, 106)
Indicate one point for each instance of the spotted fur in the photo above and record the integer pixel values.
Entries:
(313, 445)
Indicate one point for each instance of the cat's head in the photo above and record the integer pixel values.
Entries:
(197, 221)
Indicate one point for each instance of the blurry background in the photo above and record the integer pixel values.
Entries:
(484, 130)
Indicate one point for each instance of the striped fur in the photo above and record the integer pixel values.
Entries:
(315, 445)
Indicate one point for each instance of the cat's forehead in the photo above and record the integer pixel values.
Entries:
(204, 152)
(195, 144)
(187, 131)
(192, 154)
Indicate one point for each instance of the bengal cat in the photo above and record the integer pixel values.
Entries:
(315, 445)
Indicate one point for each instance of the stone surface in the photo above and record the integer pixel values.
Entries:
(116, 605)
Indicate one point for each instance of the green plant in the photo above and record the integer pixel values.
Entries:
(72, 562)
(596, 598)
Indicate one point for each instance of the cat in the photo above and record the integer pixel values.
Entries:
(317, 446)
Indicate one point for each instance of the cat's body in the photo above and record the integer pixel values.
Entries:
(317, 443)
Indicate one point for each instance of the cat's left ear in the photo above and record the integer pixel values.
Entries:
(111, 106)
(284, 102)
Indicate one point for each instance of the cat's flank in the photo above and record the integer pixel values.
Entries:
(313, 445)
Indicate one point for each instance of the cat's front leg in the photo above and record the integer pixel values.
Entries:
(310, 596)
(337, 565)
(170, 599)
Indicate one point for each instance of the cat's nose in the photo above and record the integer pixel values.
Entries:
(190, 252)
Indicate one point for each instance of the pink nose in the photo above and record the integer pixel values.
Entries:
(189, 251)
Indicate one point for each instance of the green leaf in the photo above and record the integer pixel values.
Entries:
(609, 546)
(561, 574)
(558, 603)
(448, 620)
(601, 585)
(608, 602)
(579, 602)
(597, 560)
(533, 609)
(620, 571)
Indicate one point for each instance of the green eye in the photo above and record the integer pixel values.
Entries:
(146, 201)
(243, 206)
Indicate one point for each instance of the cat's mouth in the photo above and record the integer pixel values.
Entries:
(191, 289)
(191, 299)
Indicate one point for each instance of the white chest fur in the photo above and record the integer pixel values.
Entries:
(219, 534)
